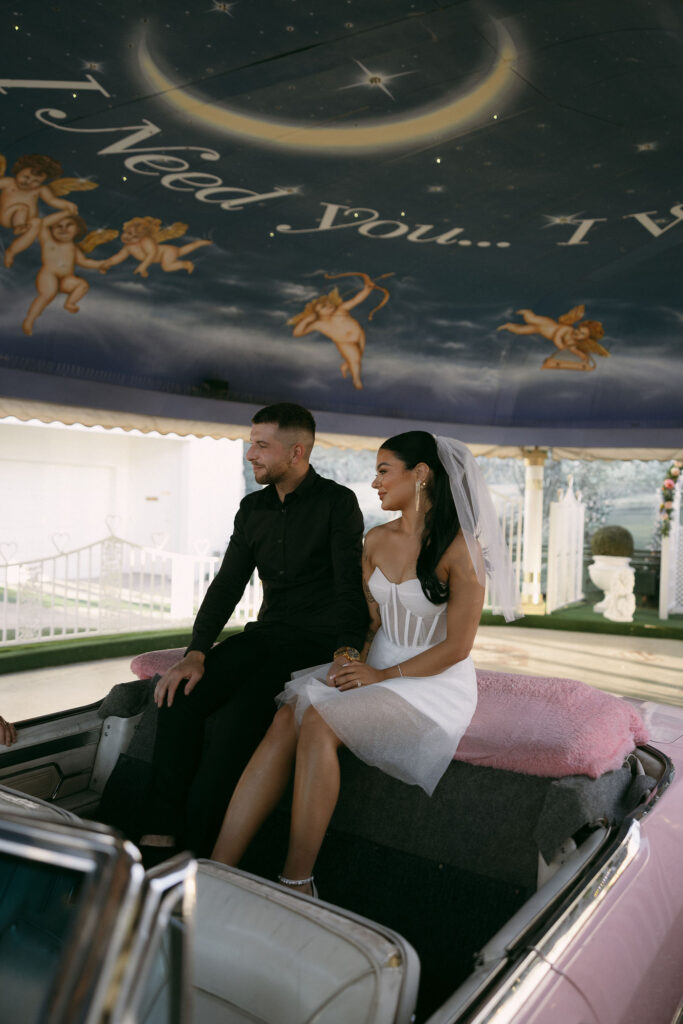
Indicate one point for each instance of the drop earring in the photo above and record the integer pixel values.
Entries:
(418, 494)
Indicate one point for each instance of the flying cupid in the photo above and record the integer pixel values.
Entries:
(581, 339)
(61, 252)
(21, 191)
(142, 239)
(330, 315)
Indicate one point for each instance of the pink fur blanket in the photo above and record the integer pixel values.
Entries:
(541, 725)
(529, 724)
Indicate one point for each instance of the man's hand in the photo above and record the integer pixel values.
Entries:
(8, 733)
(334, 669)
(191, 667)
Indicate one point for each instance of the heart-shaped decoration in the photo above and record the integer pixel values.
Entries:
(201, 547)
(113, 523)
(159, 540)
(8, 550)
(61, 541)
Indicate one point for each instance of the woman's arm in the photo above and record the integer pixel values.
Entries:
(465, 602)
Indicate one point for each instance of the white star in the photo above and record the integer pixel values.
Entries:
(220, 7)
(563, 218)
(374, 78)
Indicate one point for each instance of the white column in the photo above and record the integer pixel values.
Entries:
(532, 598)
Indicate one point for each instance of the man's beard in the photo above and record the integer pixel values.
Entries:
(269, 476)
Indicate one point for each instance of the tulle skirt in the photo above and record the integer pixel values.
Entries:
(409, 727)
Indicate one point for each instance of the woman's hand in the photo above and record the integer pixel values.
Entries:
(335, 667)
(355, 673)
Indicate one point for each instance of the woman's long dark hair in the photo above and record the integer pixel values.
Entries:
(441, 520)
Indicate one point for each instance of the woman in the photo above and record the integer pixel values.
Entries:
(405, 701)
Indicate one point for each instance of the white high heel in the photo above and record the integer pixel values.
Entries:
(297, 883)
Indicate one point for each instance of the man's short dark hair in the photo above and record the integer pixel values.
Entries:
(288, 416)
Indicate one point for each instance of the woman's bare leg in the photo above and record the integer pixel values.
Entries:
(316, 790)
(259, 789)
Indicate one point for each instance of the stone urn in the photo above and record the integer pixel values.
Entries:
(611, 572)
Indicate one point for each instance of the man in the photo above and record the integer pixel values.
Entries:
(303, 534)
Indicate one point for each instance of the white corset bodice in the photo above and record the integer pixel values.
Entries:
(408, 618)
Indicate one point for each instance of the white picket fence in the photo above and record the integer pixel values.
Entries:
(115, 586)
(510, 511)
(564, 584)
(110, 586)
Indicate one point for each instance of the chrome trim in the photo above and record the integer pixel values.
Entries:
(170, 886)
(504, 1005)
(112, 878)
(556, 940)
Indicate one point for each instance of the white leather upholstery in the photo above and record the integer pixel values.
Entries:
(263, 954)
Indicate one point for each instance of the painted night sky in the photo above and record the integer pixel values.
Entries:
(488, 196)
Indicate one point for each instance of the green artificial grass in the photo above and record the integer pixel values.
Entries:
(579, 618)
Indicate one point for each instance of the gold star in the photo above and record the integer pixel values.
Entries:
(220, 7)
(374, 79)
(563, 218)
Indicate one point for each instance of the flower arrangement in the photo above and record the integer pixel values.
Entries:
(667, 503)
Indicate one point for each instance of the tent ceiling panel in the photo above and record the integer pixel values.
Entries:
(460, 216)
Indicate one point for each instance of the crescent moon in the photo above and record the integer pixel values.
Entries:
(422, 126)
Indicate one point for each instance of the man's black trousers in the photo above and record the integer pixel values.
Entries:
(205, 739)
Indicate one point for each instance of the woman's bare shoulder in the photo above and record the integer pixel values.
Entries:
(376, 534)
(375, 539)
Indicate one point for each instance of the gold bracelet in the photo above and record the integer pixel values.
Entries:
(399, 672)
(346, 652)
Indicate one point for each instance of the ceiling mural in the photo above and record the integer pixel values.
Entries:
(456, 214)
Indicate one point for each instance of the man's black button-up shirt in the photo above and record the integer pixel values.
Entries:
(307, 550)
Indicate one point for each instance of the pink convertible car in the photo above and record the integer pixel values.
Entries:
(542, 883)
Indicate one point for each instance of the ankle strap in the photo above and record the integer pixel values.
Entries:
(294, 881)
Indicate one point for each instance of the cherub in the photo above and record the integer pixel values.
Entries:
(20, 193)
(581, 340)
(58, 234)
(329, 314)
(142, 237)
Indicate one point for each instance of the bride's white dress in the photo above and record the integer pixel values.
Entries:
(409, 727)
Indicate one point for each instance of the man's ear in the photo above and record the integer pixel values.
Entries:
(296, 453)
